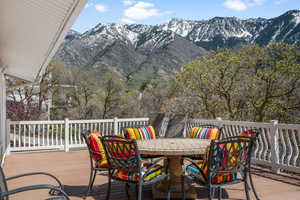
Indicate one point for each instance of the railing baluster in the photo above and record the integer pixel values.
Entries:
(29, 135)
(289, 145)
(283, 145)
(14, 135)
(295, 149)
(19, 134)
(48, 132)
(43, 134)
(38, 132)
(61, 134)
(33, 134)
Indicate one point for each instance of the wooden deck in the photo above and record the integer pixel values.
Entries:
(72, 168)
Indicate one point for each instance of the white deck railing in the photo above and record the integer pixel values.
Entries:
(64, 134)
(278, 146)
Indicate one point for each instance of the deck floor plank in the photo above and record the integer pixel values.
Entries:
(72, 168)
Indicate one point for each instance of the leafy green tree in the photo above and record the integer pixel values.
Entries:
(111, 95)
(253, 83)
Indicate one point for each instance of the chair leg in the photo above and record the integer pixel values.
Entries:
(127, 190)
(169, 188)
(182, 187)
(246, 188)
(108, 187)
(91, 182)
(137, 191)
(252, 186)
(140, 191)
(210, 193)
(220, 193)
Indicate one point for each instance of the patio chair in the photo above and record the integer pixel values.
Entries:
(54, 190)
(253, 134)
(141, 132)
(125, 165)
(205, 131)
(227, 163)
(98, 162)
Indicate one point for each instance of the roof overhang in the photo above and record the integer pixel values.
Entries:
(31, 32)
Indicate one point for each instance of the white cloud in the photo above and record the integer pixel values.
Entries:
(279, 2)
(101, 8)
(127, 21)
(142, 10)
(236, 5)
(128, 2)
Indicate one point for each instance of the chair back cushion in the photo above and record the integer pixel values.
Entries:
(140, 133)
(205, 133)
(122, 154)
(251, 134)
(96, 146)
(230, 155)
(225, 159)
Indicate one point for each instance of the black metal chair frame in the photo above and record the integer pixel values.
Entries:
(216, 167)
(254, 137)
(53, 190)
(132, 163)
(220, 128)
(93, 165)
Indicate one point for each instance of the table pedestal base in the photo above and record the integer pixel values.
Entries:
(157, 193)
(160, 190)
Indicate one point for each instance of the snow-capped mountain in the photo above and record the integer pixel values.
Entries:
(129, 50)
(161, 50)
(230, 31)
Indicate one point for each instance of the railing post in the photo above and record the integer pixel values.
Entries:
(220, 123)
(185, 126)
(274, 146)
(67, 135)
(8, 136)
(116, 126)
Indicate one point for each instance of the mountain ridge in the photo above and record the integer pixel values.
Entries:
(159, 51)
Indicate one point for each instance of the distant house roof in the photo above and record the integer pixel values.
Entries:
(31, 32)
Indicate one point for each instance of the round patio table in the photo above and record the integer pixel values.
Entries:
(174, 149)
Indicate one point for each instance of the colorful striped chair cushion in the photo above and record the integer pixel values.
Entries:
(141, 133)
(96, 146)
(151, 173)
(216, 178)
(205, 133)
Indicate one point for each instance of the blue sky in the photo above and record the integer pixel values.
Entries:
(159, 11)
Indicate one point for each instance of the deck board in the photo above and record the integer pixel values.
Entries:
(72, 168)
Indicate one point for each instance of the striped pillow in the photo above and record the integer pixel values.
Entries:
(96, 146)
(141, 133)
(150, 173)
(205, 133)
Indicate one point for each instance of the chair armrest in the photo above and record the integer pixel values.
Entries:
(34, 187)
(99, 153)
(35, 173)
(153, 163)
(191, 161)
